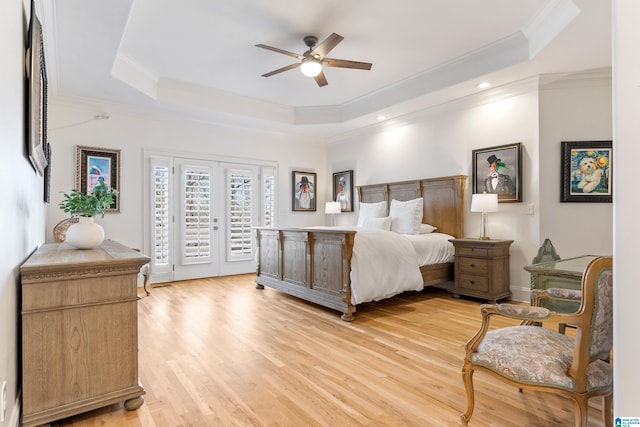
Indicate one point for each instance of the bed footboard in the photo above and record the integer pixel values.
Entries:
(313, 265)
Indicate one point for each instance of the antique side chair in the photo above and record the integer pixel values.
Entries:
(537, 358)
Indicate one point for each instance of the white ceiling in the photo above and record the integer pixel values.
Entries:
(198, 57)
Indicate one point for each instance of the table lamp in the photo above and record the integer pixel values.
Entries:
(484, 203)
(332, 208)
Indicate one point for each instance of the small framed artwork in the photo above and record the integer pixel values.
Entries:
(304, 191)
(499, 170)
(586, 171)
(343, 190)
(95, 165)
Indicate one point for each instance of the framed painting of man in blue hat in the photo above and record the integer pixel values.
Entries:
(499, 170)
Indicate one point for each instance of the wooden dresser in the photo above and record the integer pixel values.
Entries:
(79, 330)
(482, 268)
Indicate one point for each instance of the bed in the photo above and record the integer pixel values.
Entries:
(314, 263)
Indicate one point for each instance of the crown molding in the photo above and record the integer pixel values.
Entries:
(509, 51)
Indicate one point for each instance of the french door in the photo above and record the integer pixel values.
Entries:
(196, 231)
(201, 216)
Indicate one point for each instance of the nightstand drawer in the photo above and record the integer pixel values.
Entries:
(473, 265)
(473, 283)
(472, 251)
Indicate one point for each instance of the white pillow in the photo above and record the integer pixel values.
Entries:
(427, 228)
(371, 210)
(406, 217)
(375, 224)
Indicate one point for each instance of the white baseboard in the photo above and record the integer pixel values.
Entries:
(522, 294)
(13, 419)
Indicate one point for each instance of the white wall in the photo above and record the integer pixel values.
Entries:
(574, 109)
(439, 142)
(626, 287)
(22, 213)
(135, 132)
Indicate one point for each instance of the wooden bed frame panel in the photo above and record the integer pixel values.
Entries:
(315, 264)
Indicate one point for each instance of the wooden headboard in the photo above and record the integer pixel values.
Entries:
(443, 199)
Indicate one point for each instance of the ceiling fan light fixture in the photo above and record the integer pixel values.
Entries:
(311, 67)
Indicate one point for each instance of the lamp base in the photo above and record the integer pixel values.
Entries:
(485, 227)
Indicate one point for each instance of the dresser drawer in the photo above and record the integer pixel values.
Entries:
(473, 265)
(472, 251)
(473, 283)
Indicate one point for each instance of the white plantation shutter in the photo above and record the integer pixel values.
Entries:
(268, 198)
(239, 215)
(196, 215)
(161, 227)
(161, 178)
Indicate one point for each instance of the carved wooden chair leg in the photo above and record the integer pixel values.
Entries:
(145, 270)
(607, 410)
(467, 378)
(146, 274)
(581, 412)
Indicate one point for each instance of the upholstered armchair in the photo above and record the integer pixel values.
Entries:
(536, 358)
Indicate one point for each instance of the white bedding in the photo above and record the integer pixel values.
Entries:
(385, 263)
(432, 248)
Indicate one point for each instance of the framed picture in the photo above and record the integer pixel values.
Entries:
(499, 170)
(94, 165)
(37, 101)
(343, 190)
(304, 191)
(586, 171)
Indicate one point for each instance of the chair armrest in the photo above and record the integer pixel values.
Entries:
(565, 294)
(557, 294)
(523, 312)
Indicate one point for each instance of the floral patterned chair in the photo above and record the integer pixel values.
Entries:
(540, 359)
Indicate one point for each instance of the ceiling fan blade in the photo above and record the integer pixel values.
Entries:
(284, 52)
(343, 63)
(327, 44)
(281, 70)
(321, 79)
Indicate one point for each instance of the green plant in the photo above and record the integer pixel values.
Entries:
(78, 203)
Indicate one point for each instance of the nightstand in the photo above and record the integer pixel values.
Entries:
(482, 268)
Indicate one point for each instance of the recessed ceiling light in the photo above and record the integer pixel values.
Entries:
(484, 85)
(381, 117)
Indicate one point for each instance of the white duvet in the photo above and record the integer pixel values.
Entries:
(432, 248)
(385, 263)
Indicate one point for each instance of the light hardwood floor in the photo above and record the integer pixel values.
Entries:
(218, 352)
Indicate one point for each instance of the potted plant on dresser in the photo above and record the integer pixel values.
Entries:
(85, 233)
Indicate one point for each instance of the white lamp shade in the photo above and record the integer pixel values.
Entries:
(484, 202)
(311, 67)
(332, 208)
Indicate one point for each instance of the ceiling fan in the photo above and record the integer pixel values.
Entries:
(312, 61)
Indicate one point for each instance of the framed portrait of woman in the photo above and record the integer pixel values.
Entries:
(304, 191)
(343, 190)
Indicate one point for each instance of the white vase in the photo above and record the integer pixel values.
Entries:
(84, 234)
